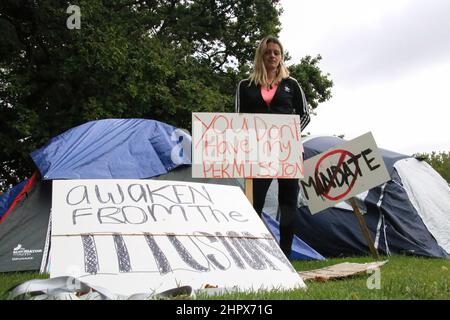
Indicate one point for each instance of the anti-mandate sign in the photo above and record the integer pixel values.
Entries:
(232, 145)
(143, 236)
(343, 172)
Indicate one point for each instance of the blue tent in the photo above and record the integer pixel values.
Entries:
(113, 149)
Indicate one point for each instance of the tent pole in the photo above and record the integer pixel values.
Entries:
(364, 229)
(249, 189)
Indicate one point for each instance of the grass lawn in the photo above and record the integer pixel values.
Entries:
(401, 278)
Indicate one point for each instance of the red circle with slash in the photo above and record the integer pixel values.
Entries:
(343, 153)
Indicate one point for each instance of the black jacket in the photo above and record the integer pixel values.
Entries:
(288, 99)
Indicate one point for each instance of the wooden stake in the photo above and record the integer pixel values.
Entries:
(249, 189)
(364, 229)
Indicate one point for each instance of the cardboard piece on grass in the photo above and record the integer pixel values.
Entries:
(341, 270)
(132, 236)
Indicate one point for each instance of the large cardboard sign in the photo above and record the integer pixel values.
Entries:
(133, 236)
(227, 145)
(343, 172)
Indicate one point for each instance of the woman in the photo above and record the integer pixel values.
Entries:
(270, 89)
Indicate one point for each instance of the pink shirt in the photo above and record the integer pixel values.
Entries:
(268, 94)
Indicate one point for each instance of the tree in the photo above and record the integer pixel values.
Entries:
(317, 86)
(439, 161)
(156, 59)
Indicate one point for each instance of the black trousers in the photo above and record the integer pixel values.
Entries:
(287, 200)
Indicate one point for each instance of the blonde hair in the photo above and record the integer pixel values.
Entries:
(259, 72)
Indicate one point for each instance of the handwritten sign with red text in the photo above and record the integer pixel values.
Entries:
(231, 145)
(342, 172)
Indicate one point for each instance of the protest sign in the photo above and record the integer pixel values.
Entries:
(134, 236)
(342, 172)
(232, 145)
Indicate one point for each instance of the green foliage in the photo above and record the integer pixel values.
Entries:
(439, 161)
(317, 86)
(157, 59)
